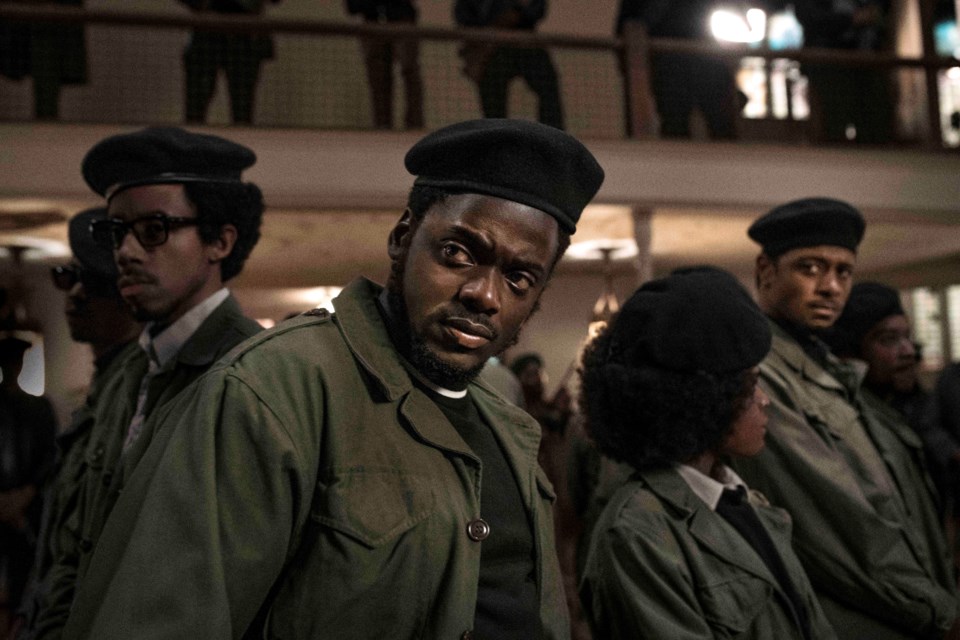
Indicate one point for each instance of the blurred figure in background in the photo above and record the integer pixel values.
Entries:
(849, 103)
(53, 54)
(238, 54)
(379, 56)
(683, 82)
(97, 316)
(492, 66)
(874, 330)
(27, 430)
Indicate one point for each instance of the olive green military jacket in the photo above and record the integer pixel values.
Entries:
(223, 329)
(61, 495)
(663, 565)
(902, 450)
(851, 529)
(305, 488)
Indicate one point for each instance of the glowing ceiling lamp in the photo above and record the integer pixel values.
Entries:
(734, 26)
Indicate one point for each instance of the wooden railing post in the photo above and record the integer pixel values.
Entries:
(641, 113)
(930, 73)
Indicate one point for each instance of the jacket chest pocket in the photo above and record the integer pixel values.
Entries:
(732, 603)
(373, 505)
(837, 420)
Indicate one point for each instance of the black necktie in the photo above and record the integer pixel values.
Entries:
(735, 509)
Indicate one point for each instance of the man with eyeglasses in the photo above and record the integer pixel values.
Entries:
(98, 316)
(181, 222)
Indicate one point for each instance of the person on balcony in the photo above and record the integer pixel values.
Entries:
(238, 54)
(379, 54)
(850, 104)
(683, 82)
(492, 66)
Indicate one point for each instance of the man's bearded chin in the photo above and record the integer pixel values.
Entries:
(413, 347)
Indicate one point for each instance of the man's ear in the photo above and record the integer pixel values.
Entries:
(400, 235)
(221, 247)
(764, 270)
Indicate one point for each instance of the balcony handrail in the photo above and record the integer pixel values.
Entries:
(266, 24)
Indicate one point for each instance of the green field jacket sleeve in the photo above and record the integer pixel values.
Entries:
(306, 489)
(662, 564)
(850, 529)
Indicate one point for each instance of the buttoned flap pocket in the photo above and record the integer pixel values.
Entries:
(374, 505)
(833, 418)
(732, 603)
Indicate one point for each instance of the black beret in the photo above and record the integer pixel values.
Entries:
(702, 320)
(526, 162)
(163, 155)
(808, 223)
(868, 304)
(91, 256)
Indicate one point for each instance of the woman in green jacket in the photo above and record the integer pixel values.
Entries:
(683, 550)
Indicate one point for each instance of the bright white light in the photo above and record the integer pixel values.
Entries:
(953, 73)
(732, 26)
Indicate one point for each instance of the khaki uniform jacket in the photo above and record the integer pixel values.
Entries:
(306, 489)
(223, 329)
(902, 450)
(61, 495)
(851, 529)
(663, 565)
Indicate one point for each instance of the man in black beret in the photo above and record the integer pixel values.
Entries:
(839, 474)
(874, 332)
(180, 223)
(347, 475)
(96, 315)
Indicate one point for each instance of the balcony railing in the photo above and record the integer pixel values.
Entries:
(316, 76)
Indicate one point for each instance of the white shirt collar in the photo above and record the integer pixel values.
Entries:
(437, 389)
(166, 344)
(705, 487)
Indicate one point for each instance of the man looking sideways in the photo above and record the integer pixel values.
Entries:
(181, 222)
(824, 462)
(96, 315)
(347, 475)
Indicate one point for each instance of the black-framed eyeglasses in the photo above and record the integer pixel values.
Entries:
(150, 231)
(65, 277)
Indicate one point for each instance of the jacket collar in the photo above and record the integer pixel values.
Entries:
(790, 351)
(705, 525)
(206, 344)
(362, 326)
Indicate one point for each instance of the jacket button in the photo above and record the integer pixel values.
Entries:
(85, 545)
(478, 530)
(466, 635)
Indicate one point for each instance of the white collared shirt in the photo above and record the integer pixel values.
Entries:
(164, 347)
(706, 488)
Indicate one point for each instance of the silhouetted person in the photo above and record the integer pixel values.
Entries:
(853, 103)
(53, 54)
(492, 67)
(380, 54)
(97, 316)
(682, 82)
(27, 429)
(239, 55)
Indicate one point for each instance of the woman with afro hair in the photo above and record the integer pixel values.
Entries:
(683, 550)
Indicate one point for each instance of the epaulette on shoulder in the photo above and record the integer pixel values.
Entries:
(312, 317)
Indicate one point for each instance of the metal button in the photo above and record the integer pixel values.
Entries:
(466, 635)
(478, 530)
